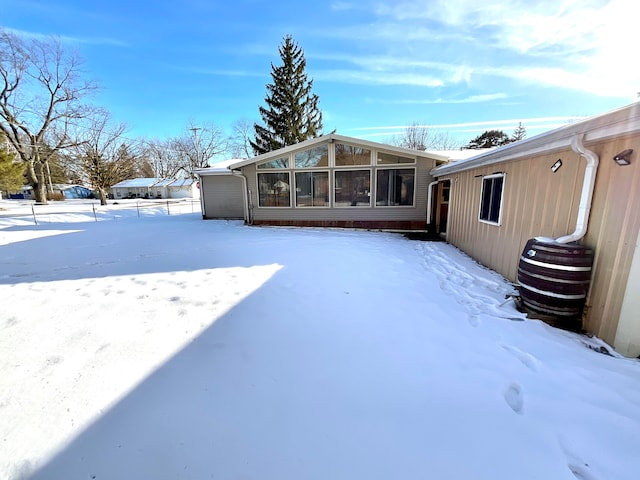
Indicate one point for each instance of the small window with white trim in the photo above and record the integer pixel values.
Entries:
(491, 198)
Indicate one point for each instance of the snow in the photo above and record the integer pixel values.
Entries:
(137, 344)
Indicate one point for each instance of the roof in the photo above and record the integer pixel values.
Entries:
(331, 137)
(154, 182)
(461, 154)
(218, 168)
(137, 182)
(623, 121)
(181, 182)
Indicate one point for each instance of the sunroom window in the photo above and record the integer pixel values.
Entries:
(352, 188)
(274, 190)
(395, 186)
(277, 163)
(347, 155)
(393, 159)
(312, 189)
(313, 157)
(491, 198)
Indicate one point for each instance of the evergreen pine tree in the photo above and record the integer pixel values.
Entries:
(519, 133)
(11, 173)
(489, 139)
(291, 114)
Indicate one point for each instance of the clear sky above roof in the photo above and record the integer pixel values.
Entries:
(459, 66)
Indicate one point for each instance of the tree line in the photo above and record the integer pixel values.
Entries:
(51, 133)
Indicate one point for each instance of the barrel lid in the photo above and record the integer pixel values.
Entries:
(545, 240)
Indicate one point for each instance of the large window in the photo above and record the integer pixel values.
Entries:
(352, 188)
(312, 189)
(491, 198)
(274, 190)
(347, 155)
(313, 157)
(395, 186)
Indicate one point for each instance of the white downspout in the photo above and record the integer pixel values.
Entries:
(430, 200)
(587, 190)
(245, 200)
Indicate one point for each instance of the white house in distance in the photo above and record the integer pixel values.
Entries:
(156, 188)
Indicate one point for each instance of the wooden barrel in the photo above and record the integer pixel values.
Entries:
(553, 278)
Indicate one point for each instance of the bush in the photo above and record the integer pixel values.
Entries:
(56, 196)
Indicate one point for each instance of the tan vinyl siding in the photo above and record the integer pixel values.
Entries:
(613, 231)
(538, 202)
(222, 196)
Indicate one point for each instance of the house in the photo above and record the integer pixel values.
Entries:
(329, 181)
(73, 191)
(155, 188)
(183, 188)
(576, 185)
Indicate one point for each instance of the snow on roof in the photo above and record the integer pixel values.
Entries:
(137, 182)
(218, 168)
(182, 182)
(461, 154)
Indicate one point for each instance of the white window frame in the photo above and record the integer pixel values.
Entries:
(272, 171)
(500, 207)
(395, 167)
(371, 185)
(295, 192)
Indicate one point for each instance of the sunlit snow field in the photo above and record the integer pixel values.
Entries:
(145, 343)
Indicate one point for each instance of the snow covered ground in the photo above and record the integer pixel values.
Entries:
(140, 345)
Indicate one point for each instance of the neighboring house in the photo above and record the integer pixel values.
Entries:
(24, 194)
(329, 181)
(155, 188)
(183, 188)
(73, 191)
(579, 183)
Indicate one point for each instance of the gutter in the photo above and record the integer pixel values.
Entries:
(587, 190)
(245, 203)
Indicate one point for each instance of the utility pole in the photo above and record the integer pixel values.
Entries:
(197, 145)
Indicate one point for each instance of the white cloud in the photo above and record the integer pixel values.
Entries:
(67, 39)
(489, 97)
(576, 44)
(529, 123)
(377, 78)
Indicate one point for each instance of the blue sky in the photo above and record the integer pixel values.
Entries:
(458, 66)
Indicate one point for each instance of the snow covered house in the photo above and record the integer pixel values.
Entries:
(329, 181)
(155, 188)
(576, 185)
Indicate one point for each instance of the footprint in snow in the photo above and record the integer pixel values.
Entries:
(580, 469)
(514, 397)
(527, 359)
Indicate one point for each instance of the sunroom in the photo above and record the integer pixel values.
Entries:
(338, 181)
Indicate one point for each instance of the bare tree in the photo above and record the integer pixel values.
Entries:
(199, 146)
(105, 157)
(164, 160)
(241, 138)
(417, 136)
(41, 93)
